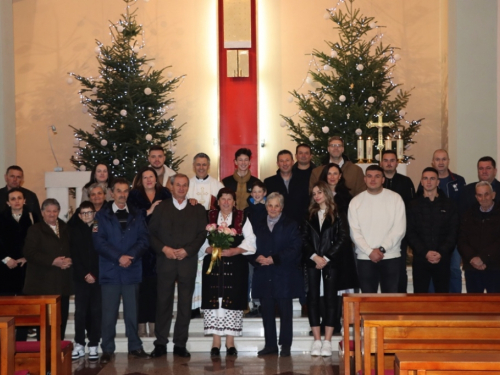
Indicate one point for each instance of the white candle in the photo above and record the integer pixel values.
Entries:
(388, 143)
(369, 148)
(400, 148)
(361, 148)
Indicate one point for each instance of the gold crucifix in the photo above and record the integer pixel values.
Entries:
(380, 125)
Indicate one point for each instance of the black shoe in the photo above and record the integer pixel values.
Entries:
(215, 352)
(139, 353)
(181, 351)
(196, 313)
(105, 357)
(159, 351)
(267, 351)
(231, 351)
(285, 352)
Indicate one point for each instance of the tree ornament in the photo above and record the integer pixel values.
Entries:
(377, 157)
(348, 116)
(359, 131)
(372, 25)
(309, 80)
(69, 80)
(327, 67)
(149, 137)
(402, 112)
(326, 16)
(97, 49)
(170, 74)
(115, 147)
(123, 112)
(83, 168)
(76, 141)
(122, 126)
(360, 67)
(173, 149)
(147, 91)
(116, 162)
(325, 129)
(104, 143)
(283, 124)
(290, 99)
(333, 54)
(312, 137)
(342, 98)
(371, 99)
(136, 49)
(397, 57)
(94, 90)
(120, 28)
(85, 109)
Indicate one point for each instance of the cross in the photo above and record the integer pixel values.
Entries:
(201, 193)
(380, 125)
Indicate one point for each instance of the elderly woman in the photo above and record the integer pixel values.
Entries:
(47, 251)
(99, 175)
(97, 195)
(327, 249)
(224, 289)
(277, 277)
(145, 195)
(332, 175)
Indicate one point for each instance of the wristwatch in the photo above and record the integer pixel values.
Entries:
(382, 250)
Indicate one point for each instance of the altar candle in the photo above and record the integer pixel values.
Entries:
(369, 148)
(388, 143)
(361, 148)
(400, 148)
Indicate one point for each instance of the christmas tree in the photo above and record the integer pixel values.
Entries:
(128, 102)
(350, 85)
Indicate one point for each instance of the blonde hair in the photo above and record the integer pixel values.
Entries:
(331, 207)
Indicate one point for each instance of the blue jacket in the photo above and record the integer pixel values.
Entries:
(284, 278)
(453, 188)
(111, 242)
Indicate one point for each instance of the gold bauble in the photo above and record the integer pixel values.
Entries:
(122, 126)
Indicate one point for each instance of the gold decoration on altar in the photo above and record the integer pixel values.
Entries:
(380, 125)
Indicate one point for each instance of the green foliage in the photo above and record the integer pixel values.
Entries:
(358, 67)
(127, 82)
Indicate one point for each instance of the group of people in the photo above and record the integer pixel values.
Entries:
(308, 232)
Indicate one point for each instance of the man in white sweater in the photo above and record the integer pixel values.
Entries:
(377, 222)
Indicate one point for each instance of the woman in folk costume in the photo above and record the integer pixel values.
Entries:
(225, 281)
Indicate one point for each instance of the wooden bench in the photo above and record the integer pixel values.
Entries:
(7, 339)
(448, 333)
(444, 363)
(45, 312)
(356, 305)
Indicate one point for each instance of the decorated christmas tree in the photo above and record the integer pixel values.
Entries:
(349, 85)
(129, 102)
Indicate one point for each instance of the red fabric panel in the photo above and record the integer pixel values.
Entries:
(237, 104)
(34, 346)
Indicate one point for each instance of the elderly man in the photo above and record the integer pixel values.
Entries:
(202, 187)
(14, 178)
(479, 244)
(177, 231)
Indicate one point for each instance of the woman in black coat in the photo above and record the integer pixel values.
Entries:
(328, 255)
(332, 175)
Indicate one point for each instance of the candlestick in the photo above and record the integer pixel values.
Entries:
(369, 150)
(388, 143)
(361, 149)
(400, 149)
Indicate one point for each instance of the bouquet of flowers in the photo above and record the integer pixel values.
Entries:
(219, 237)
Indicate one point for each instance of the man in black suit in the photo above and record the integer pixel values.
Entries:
(14, 177)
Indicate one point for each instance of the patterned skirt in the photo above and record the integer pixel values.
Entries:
(223, 322)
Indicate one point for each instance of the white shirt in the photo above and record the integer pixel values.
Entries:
(180, 206)
(249, 242)
(377, 220)
(203, 189)
(116, 208)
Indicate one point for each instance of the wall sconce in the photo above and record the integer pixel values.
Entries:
(263, 143)
(238, 63)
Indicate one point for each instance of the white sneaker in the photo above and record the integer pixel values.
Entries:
(316, 348)
(326, 349)
(93, 355)
(78, 351)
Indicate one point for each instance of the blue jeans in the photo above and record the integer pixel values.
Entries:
(110, 304)
(455, 274)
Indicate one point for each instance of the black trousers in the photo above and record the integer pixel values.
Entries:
(386, 273)
(403, 276)
(147, 300)
(285, 308)
(88, 313)
(424, 272)
(314, 300)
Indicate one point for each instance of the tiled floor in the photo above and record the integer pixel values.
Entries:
(200, 363)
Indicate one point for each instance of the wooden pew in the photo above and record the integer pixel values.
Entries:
(448, 333)
(356, 305)
(444, 363)
(7, 340)
(45, 312)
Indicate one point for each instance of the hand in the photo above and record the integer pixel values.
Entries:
(180, 254)
(320, 262)
(433, 257)
(152, 208)
(209, 250)
(125, 261)
(21, 261)
(12, 263)
(376, 255)
(169, 252)
(67, 263)
(90, 279)
(230, 252)
(478, 264)
(264, 261)
(192, 201)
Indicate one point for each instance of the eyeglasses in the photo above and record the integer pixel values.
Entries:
(87, 213)
(334, 145)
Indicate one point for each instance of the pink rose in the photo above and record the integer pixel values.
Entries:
(233, 232)
(223, 225)
(227, 231)
(220, 229)
(210, 227)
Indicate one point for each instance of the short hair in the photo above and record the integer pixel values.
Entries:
(385, 152)
(96, 185)
(243, 151)
(14, 190)
(14, 168)
(201, 155)
(119, 180)
(374, 167)
(303, 145)
(487, 158)
(484, 183)
(430, 169)
(51, 202)
(226, 190)
(336, 138)
(156, 148)
(278, 196)
(87, 204)
(440, 150)
(178, 175)
(284, 152)
(260, 184)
